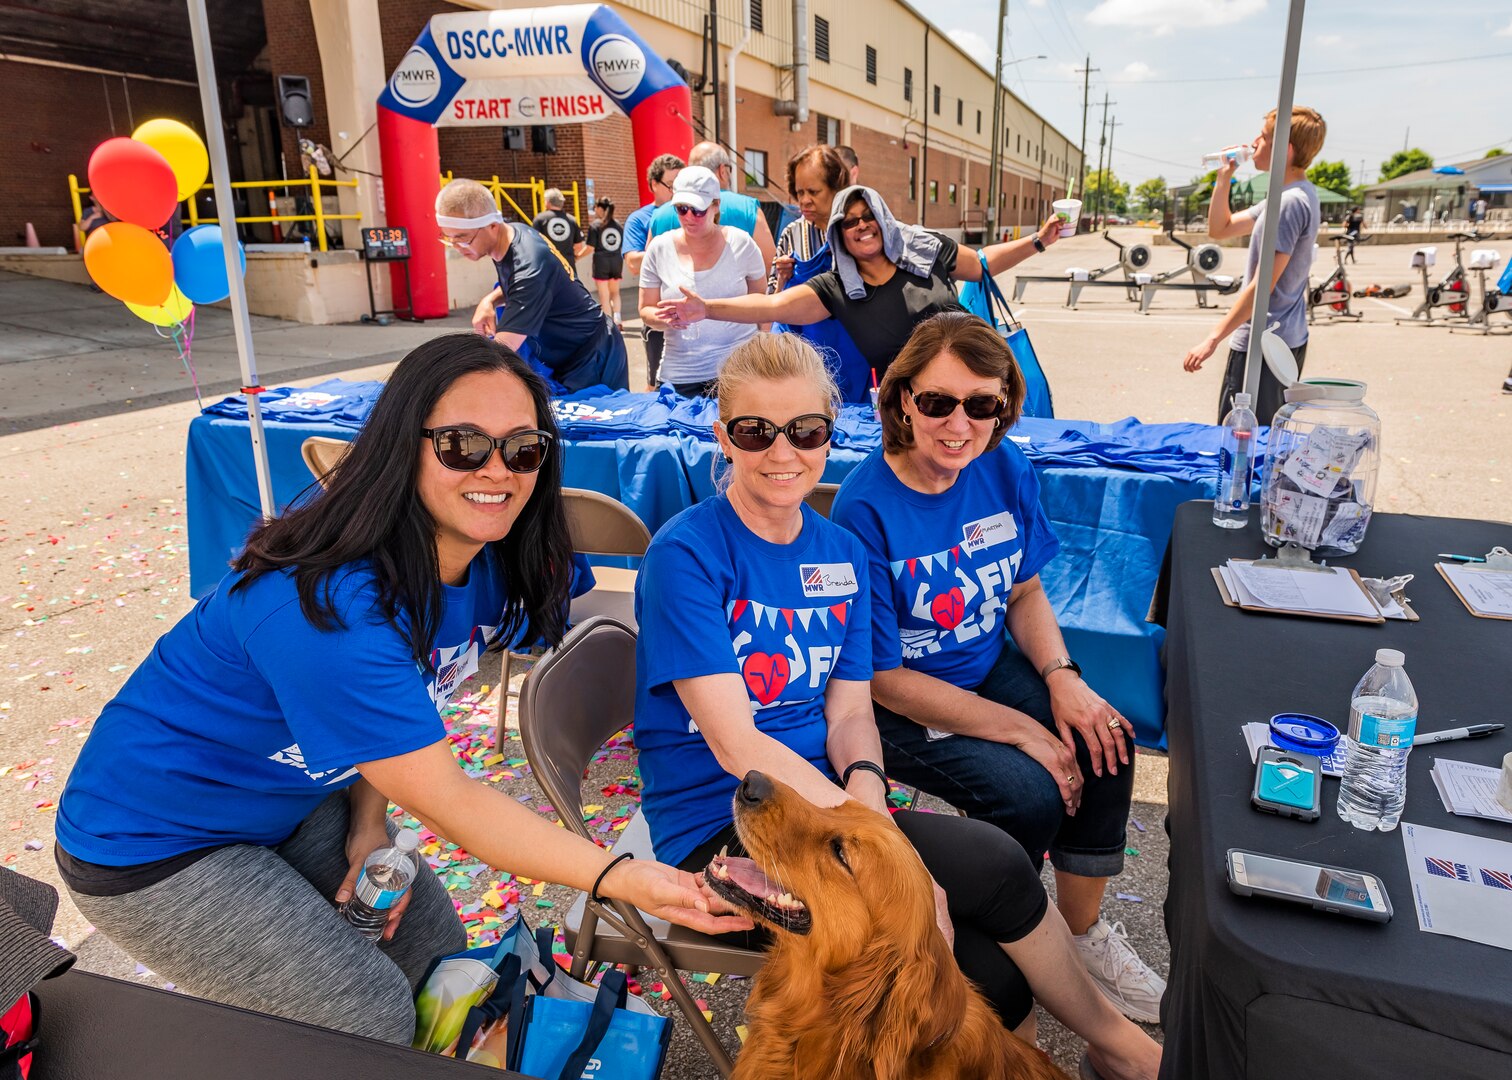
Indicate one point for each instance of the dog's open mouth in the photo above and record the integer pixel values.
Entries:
(744, 884)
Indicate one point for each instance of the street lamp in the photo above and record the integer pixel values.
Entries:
(993, 164)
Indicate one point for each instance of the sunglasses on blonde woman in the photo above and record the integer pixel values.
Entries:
(685, 211)
(465, 449)
(756, 433)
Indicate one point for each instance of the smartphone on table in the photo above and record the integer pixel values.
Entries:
(1333, 889)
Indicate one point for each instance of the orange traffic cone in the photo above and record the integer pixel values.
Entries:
(31, 236)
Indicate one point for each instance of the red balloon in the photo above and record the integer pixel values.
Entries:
(133, 182)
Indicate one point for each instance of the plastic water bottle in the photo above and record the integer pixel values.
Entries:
(1236, 462)
(1383, 714)
(1237, 154)
(386, 877)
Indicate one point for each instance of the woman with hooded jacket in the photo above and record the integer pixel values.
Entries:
(887, 278)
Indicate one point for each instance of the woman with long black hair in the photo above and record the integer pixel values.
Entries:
(232, 789)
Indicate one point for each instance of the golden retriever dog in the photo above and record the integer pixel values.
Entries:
(860, 984)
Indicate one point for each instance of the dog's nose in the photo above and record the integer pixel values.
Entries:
(754, 790)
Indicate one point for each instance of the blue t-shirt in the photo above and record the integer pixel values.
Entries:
(713, 597)
(638, 228)
(941, 566)
(245, 716)
(565, 328)
(735, 209)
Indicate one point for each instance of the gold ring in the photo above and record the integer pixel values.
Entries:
(1113, 723)
(1071, 779)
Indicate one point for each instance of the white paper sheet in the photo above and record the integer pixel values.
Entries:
(1258, 735)
(1488, 592)
(1469, 790)
(1301, 516)
(1461, 884)
(1331, 591)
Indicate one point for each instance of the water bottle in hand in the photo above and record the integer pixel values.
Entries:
(1236, 460)
(1237, 154)
(385, 878)
(1382, 721)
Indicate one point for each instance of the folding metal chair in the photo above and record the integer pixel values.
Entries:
(321, 454)
(575, 698)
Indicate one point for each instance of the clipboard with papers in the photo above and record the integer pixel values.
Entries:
(1328, 592)
(1485, 589)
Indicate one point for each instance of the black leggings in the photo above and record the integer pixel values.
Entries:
(992, 888)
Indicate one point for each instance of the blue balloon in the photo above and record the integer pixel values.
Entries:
(199, 264)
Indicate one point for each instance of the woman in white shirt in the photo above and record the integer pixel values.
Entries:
(715, 261)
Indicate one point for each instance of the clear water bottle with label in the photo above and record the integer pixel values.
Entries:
(1236, 463)
(1237, 154)
(385, 878)
(1383, 714)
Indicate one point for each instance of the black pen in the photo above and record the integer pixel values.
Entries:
(1461, 558)
(1473, 731)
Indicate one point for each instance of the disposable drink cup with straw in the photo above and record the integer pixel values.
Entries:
(1069, 211)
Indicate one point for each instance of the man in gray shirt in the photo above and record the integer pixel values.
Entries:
(1296, 235)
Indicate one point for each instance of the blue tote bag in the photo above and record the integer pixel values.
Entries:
(986, 301)
(563, 1039)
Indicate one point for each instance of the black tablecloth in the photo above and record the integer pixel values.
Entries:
(1261, 989)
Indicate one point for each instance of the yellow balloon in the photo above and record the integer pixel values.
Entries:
(183, 148)
(170, 312)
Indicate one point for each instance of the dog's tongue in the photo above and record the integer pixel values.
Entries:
(749, 876)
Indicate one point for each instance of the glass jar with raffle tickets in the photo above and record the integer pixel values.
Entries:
(1321, 462)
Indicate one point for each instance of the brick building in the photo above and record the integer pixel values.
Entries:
(882, 79)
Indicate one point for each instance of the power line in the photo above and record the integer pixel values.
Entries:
(1301, 74)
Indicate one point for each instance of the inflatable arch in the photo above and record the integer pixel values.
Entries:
(520, 67)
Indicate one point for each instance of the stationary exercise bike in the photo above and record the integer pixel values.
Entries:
(1330, 300)
(1493, 301)
(1452, 292)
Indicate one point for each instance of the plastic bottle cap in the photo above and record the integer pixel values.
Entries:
(407, 840)
(1390, 657)
(1241, 401)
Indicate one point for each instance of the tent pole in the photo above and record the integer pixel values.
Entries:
(1280, 143)
(225, 211)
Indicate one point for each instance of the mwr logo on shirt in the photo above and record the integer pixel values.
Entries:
(610, 240)
(559, 229)
(984, 532)
(828, 579)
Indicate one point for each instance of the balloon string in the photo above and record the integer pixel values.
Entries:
(186, 331)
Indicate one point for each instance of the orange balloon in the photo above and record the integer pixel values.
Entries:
(129, 263)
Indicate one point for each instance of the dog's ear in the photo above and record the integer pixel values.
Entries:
(923, 1008)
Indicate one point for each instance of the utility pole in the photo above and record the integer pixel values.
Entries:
(1102, 180)
(1081, 183)
(994, 163)
(1102, 142)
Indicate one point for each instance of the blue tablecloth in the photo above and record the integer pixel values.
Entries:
(1111, 491)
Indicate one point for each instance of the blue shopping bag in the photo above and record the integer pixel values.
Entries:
(986, 301)
(563, 1039)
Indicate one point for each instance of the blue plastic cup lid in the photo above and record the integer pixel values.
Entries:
(1299, 731)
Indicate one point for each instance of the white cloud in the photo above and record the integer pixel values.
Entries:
(1505, 31)
(1036, 3)
(1137, 71)
(1329, 40)
(1163, 16)
(976, 46)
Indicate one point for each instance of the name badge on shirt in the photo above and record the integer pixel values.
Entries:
(827, 579)
(984, 532)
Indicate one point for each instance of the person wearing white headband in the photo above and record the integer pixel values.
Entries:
(538, 309)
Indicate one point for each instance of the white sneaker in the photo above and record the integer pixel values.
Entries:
(1119, 973)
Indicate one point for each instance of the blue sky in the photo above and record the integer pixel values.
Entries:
(1232, 49)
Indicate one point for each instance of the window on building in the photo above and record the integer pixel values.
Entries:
(821, 39)
(934, 191)
(908, 84)
(952, 194)
(1018, 145)
(960, 111)
(871, 65)
(913, 179)
(829, 129)
(758, 16)
(979, 121)
(1015, 202)
(937, 99)
(976, 197)
(755, 168)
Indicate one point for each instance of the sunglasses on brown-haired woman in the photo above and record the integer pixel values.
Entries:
(466, 449)
(937, 406)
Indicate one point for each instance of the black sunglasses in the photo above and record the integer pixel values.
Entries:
(756, 433)
(466, 449)
(937, 406)
(849, 223)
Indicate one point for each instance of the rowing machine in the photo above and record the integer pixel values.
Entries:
(1132, 258)
(1330, 300)
(1201, 262)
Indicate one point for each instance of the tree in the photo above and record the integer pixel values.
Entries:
(1333, 175)
(1405, 161)
(1495, 151)
(1115, 193)
(1202, 194)
(1150, 197)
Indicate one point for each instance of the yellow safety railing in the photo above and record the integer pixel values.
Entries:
(535, 189)
(313, 182)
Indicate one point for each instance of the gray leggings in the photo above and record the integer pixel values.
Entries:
(254, 927)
